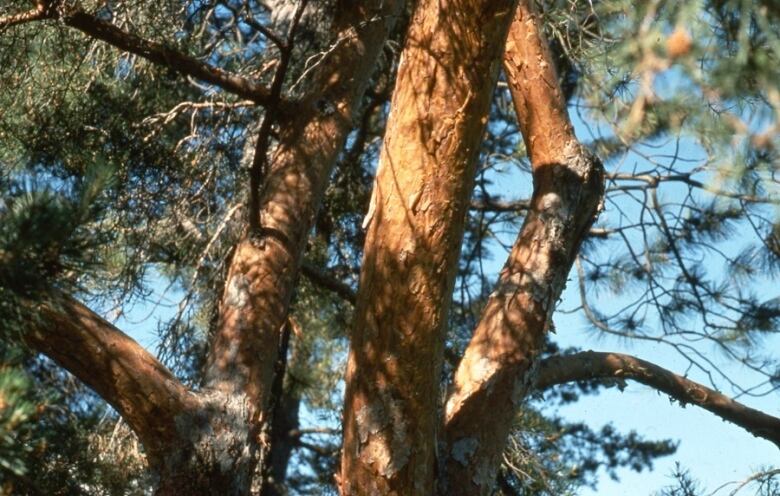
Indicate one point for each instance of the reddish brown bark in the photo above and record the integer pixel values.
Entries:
(36, 14)
(116, 367)
(415, 225)
(493, 376)
(265, 265)
(596, 365)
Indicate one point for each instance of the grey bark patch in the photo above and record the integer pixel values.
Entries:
(485, 474)
(388, 451)
(463, 449)
(237, 292)
(215, 441)
(370, 420)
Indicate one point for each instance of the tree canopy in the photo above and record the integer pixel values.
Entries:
(248, 170)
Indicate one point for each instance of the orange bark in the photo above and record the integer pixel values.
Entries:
(493, 376)
(265, 265)
(415, 226)
(116, 367)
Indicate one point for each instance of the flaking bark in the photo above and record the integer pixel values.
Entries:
(447, 73)
(494, 375)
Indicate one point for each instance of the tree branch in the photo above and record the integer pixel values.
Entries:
(599, 365)
(167, 57)
(38, 13)
(150, 50)
(492, 378)
(326, 281)
(115, 366)
(265, 265)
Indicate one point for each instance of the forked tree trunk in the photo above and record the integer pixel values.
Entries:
(445, 81)
(396, 440)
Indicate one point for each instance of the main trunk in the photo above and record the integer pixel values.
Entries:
(214, 452)
(415, 225)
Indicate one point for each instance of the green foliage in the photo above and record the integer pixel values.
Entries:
(561, 456)
(118, 177)
(16, 415)
(52, 432)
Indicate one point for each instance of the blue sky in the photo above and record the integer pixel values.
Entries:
(715, 452)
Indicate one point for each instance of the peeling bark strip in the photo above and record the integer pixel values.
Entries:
(265, 265)
(495, 372)
(595, 365)
(116, 367)
(445, 80)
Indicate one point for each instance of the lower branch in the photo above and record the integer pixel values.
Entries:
(115, 366)
(597, 365)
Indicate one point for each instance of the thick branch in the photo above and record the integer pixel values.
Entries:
(598, 365)
(116, 367)
(492, 378)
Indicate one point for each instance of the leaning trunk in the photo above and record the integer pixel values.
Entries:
(495, 373)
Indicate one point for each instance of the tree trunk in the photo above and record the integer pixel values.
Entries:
(215, 451)
(494, 375)
(445, 81)
(265, 265)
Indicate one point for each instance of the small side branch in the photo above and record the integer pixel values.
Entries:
(167, 57)
(598, 365)
(326, 281)
(150, 50)
(115, 366)
(260, 159)
(38, 13)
